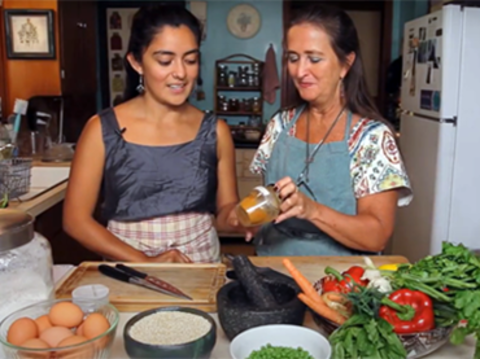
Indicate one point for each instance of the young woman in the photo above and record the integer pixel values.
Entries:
(167, 168)
(333, 160)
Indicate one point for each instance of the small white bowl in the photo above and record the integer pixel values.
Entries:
(292, 336)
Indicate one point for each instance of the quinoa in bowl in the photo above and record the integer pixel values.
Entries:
(170, 332)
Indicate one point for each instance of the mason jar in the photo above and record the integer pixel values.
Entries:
(26, 264)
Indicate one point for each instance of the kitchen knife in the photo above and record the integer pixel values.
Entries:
(153, 280)
(120, 275)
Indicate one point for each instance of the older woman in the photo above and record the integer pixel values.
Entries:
(333, 159)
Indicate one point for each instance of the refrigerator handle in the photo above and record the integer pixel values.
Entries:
(450, 120)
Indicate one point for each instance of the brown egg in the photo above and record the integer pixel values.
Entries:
(22, 330)
(80, 330)
(43, 323)
(74, 339)
(34, 344)
(82, 352)
(54, 335)
(65, 314)
(95, 325)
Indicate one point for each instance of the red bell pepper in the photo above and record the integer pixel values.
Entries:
(408, 311)
(336, 282)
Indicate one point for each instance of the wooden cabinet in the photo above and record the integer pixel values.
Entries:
(65, 249)
(72, 74)
(78, 63)
(3, 102)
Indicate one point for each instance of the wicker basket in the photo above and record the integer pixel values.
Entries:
(15, 176)
(417, 345)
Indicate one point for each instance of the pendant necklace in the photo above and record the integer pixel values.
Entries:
(303, 177)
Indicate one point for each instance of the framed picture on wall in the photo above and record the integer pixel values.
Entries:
(29, 34)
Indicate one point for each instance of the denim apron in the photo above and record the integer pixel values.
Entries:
(330, 181)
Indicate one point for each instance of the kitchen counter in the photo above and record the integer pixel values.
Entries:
(221, 350)
(46, 200)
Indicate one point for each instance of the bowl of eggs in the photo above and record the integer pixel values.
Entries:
(58, 329)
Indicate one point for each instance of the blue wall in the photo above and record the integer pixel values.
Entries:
(404, 11)
(220, 43)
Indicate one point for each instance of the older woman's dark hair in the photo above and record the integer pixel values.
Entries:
(344, 40)
(147, 22)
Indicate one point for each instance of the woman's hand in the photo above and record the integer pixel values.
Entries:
(170, 256)
(294, 202)
(234, 222)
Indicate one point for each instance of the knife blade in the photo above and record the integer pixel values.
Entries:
(118, 274)
(154, 281)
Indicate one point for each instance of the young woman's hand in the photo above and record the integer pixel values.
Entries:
(294, 202)
(170, 256)
(234, 222)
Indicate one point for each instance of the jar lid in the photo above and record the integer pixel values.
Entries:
(16, 229)
(90, 297)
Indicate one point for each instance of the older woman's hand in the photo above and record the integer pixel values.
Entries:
(294, 202)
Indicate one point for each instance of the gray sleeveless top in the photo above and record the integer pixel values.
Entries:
(142, 182)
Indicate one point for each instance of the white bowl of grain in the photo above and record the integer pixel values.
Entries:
(170, 332)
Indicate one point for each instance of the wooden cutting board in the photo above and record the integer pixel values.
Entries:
(199, 281)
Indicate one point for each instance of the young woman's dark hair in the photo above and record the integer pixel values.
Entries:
(147, 22)
(344, 40)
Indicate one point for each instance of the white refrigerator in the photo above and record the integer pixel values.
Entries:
(440, 132)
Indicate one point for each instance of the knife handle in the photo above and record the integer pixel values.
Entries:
(131, 271)
(113, 273)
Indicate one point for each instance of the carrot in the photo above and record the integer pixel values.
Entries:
(302, 282)
(322, 309)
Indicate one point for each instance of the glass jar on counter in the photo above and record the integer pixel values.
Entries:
(26, 264)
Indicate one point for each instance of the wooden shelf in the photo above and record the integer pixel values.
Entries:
(237, 88)
(237, 59)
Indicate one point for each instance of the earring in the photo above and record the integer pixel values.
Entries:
(342, 88)
(140, 87)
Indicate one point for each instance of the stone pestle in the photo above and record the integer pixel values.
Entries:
(256, 290)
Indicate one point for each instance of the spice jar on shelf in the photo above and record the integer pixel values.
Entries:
(248, 105)
(251, 79)
(223, 104)
(256, 74)
(256, 105)
(232, 80)
(220, 102)
(222, 79)
(233, 104)
(26, 264)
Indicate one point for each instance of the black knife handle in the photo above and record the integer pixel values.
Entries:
(114, 273)
(131, 271)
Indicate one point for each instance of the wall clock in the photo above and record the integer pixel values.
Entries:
(243, 21)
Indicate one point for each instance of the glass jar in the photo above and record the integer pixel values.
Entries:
(261, 206)
(232, 79)
(256, 106)
(222, 79)
(251, 79)
(26, 264)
